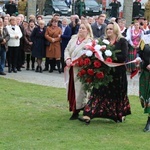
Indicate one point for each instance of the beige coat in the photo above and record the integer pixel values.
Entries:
(54, 50)
(147, 11)
(73, 51)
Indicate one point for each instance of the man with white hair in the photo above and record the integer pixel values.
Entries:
(65, 37)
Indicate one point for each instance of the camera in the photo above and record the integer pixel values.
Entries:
(141, 24)
(76, 21)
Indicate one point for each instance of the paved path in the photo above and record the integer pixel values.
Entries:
(57, 80)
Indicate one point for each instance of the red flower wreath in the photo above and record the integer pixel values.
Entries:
(93, 72)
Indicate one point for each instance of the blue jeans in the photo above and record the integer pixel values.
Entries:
(2, 58)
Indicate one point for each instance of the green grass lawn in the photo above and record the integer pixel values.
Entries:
(34, 117)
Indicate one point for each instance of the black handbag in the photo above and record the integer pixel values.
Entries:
(47, 43)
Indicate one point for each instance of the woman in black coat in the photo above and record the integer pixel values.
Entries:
(38, 47)
(111, 101)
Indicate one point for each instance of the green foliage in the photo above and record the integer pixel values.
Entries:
(36, 117)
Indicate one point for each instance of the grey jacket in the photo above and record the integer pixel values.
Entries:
(5, 36)
(98, 33)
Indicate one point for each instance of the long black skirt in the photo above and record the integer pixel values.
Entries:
(110, 101)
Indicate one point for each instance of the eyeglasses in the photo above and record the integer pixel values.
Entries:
(109, 29)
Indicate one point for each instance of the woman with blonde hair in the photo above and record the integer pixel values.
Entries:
(76, 94)
(111, 101)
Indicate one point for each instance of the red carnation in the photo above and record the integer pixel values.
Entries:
(97, 64)
(90, 72)
(83, 72)
(100, 75)
(87, 61)
(108, 59)
(80, 62)
(88, 80)
(79, 74)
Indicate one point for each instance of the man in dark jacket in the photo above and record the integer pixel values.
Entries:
(115, 8)
(136, 8)
(99, 26)
(11, 8)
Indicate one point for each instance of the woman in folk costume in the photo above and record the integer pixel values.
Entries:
(134, 35)
(76, 94)
(144, 82)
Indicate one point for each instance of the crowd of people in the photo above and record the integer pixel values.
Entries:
(60, 41)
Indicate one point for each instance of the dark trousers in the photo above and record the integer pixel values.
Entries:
(28, 58)
(12, 56)
(21, 57)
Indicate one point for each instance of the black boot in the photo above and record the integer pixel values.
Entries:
(147, 127)
(28, 66)
(14, 69)
(40, 68)
(62, 64)
(46, 64)
(33, 62)
(37, 69)
(58, 65)
(10, 69)
(54, 64)
(51, 65)
(32, 66)
(74, 116)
